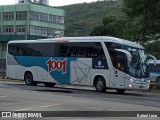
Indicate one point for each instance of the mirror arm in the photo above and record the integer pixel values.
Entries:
(129, 56)
(154, 58)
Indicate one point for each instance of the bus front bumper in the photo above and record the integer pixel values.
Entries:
(139, 84)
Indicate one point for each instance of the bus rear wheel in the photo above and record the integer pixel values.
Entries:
(49, 84)
(100, 85)
(120, 91)
(28, 78)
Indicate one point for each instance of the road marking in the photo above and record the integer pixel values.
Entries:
(36, 107)
(3, 96)
(23, 109)
(50, 105)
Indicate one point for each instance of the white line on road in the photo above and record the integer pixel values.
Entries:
(3, 96)
(23, 109)
(50, 105)
(36, 107)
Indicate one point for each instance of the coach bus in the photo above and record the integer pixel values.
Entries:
(154, 72)
(102, 62)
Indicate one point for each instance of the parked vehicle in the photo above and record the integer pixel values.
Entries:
(154, 72)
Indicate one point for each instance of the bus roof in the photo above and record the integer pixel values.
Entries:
(82, 39)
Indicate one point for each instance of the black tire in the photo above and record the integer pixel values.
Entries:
(120, 91)
(100, 85)
(28, 78)
(158, 81)
(49, 84)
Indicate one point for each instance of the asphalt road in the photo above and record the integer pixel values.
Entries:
(16, 96)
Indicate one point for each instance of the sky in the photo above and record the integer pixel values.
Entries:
(51, 2)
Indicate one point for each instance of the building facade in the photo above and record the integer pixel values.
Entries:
(29, 21)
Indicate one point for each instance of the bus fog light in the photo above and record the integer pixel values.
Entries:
(131, 80)
(130, 85)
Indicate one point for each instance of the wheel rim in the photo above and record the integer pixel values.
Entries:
(28, 79)
(100, 85)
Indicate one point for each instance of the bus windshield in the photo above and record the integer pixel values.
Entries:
(138, 66)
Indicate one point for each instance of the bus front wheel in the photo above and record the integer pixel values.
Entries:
(28, 78)
(100, 84)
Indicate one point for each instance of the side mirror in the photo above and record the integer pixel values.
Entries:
(153, 58)
(128, 54)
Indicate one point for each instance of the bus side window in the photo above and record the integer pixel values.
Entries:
(120, 63)
(82, 50)
(118, 60)
(101, 55)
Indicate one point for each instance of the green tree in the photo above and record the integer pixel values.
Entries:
(148, 13)
(146, 30)
(111, 27)
(99, 30)
(154, 48)
(109, 19)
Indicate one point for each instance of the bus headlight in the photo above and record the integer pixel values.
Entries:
(130, 86)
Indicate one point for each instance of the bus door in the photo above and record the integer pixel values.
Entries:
(118, 61)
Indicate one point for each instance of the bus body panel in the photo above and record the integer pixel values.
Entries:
(118, 80)
(81, 71)
(13, 68)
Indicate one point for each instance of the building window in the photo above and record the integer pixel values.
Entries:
(33, 15)
(47, 17)
(8, 30)
(37, 16)
(43, 17)
(50, 18)
(60, 20)
(34, 30)
(54, 18)
(51, 32)
(20, 29)
(43, 31)
(21, 15)
(8, 16)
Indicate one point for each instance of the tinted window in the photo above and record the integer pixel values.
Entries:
(34, 49)
(81, 50)
(118, 60)
(153, 68)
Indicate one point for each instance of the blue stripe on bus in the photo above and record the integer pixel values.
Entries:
(58, 75)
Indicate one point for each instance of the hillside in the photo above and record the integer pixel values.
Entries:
(81, 18)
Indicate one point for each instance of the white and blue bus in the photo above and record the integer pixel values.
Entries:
(102, 62)
(154, 72)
